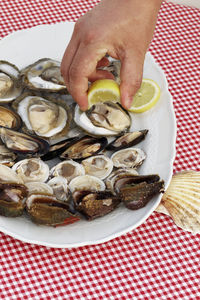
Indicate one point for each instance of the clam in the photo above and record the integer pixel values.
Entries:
(84, 147)
(60, 187)
(128, 158)
(181, 201)
(23, 144)
(31, 170)
(99, 165)
(8, 175)
(47, 210)
(126, 140)
(46, 118)
(7, 157)
(86, 183)
(68, 169)
(103, 119)
(44, 75)
(39, 188)
(9, 85)
(95, 204)
(9, 119)
(12, 199)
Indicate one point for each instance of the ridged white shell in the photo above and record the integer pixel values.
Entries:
(181, 201)
(40, 188)
(99, 166)
(86, 182)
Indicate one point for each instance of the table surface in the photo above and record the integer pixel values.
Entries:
(157, 260)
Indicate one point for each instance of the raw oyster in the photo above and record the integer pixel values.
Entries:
(9, 85)
(8, 175)
(181, 201)
(43, 117)
(9, 118)
(95, 204)
(86, 183)
(138, 195)
(44, 75)
(47, 210)
(68, 169)
(40, 188)
(32, 169)
(12, 199)
(128, 158)
(60, 187)
(84, 147)
(127, 140)
(103, 119)
(114, 67)
(100, 166)
(22, 143)
(7, 157)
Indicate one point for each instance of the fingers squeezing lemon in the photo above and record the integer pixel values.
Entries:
(108, 90)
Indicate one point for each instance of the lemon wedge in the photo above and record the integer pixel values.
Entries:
(103, 90)
(146, 97)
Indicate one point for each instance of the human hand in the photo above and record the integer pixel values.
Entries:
(120, 28)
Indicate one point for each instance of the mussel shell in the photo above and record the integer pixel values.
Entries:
(26, 145)
(96, 204)
(9, 119)
(12, 196)
(84, 147)
(7, 157)
(47, 210)
(137, 196)
(127, 140)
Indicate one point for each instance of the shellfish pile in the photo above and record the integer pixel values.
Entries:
(93, 153)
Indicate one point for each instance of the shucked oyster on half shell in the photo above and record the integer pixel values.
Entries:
(9, 82)
(68, 169)
(103, 119)
(44, 75)
(46, 118)
(128, 158)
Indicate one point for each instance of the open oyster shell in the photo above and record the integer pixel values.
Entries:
(60, 188)
(9, 82)
(68, 169)
(86, 183)
(181, 200)
(7, 157)
(128, 158)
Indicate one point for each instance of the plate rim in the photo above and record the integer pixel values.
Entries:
(142, 220)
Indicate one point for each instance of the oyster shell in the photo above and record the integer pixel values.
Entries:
(7, 157)
(103, 119)
(114, 67)
(8, 175)
(127, 140)
(100, 166)
(9, 118)
(40, 188)
(128, 158)
(12, 199)
(181, 200)
(86, 183)
(84, 147)
(22, 143)
(44, 117)
(60, 187)
(9, 86)
(68, 169)
(47, 210)
(44, 75)
(32, 169)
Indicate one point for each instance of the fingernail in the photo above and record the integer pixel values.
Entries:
(128, 101)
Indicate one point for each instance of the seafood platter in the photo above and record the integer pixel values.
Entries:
(59, 165)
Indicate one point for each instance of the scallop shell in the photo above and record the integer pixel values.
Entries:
(181, 201)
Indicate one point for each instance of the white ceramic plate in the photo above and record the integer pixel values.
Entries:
(26, 46)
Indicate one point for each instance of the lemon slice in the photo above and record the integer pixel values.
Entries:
(146, 97)
(103, 90)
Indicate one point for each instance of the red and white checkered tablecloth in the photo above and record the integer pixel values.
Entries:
(157, 260)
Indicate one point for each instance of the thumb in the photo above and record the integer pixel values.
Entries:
(131, 78)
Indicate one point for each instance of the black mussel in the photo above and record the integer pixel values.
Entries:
(23, 144)
(9, 119)
(47, 210)
(137, 196)
(95, 204)
(84, 147)
(12, 199)
(56, 149)
(126, 140)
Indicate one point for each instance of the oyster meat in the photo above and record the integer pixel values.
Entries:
(103, 119)
(68, 169)
(100, 166)
(128, 158)
(32, 169)
(9, 118)
(9, 82)
(44, 75)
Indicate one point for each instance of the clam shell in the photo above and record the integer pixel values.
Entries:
(181, 201)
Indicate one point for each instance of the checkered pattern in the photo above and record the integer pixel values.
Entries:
(155, 261)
